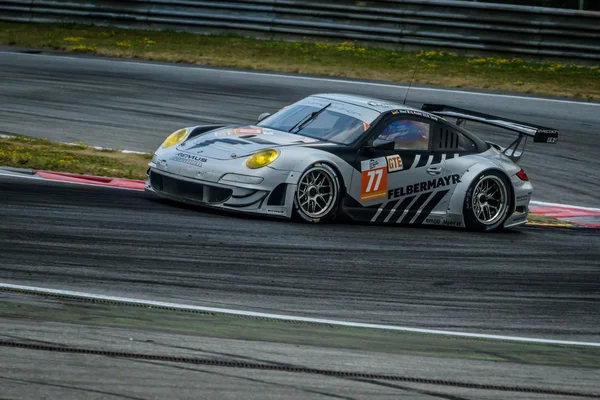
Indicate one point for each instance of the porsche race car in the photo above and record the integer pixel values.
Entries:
(333, 155)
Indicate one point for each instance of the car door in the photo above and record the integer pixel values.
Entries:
(398, 173)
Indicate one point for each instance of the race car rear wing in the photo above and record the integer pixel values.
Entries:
(539, 134)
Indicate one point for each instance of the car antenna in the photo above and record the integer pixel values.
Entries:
(411, 80)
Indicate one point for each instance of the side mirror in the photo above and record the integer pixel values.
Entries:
(383, 144)
(263, 116)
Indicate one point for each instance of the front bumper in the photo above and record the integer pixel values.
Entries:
(273, 201)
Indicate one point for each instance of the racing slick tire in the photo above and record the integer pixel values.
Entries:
(317, 196)
(487, 202)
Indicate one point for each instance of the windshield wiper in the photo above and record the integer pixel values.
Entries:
(302, 123)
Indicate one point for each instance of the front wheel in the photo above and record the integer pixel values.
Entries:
(487, 202)
(317, 194)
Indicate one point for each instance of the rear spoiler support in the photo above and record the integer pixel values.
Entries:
(512, 150)
(539, 134)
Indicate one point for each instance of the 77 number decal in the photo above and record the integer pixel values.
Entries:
(373, 184)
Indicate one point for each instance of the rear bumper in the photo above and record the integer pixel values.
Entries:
(523, 191)
(517, 218)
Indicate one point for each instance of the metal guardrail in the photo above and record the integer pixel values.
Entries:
(592, 5)
(403, 24)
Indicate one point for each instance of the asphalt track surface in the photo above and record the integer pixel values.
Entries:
(135, 105)
(528, 282)
(532, 282)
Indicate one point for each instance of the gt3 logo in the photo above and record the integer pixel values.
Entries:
(373, 184)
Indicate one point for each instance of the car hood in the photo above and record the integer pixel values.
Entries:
(234, 142)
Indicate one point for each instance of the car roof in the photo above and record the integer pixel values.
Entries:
(378, 105)
(384, 106)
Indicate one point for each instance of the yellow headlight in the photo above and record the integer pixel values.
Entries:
(262, 158)
(174, 138)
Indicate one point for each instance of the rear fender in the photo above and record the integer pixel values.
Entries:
(458, 197)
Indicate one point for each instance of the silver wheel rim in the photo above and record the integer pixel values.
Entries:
(316, 192)
(489, 200)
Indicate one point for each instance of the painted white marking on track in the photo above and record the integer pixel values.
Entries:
(314, 78)
(18, 175)
(544, 204)
(33, 289)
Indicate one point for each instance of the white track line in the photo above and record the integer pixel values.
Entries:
(544, 204)
(34, 289)
(18, 175)
(314, 78)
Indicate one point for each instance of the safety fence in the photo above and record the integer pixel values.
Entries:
(401, 24)
(592, 5)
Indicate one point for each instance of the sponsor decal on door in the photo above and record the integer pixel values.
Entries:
(373, 179)
(394, 163)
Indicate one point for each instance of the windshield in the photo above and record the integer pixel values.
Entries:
(339, 122)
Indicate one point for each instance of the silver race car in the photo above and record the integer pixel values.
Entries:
(333, 155)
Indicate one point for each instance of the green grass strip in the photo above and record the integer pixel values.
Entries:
(42, 154)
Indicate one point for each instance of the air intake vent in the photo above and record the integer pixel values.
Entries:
(448, 139)
(277, 197)
(189, 190)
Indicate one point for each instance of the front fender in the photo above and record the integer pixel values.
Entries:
(297, 160)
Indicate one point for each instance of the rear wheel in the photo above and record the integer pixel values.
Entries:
(317, 194)
(487, 202)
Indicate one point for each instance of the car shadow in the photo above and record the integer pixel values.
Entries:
(297, 221)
